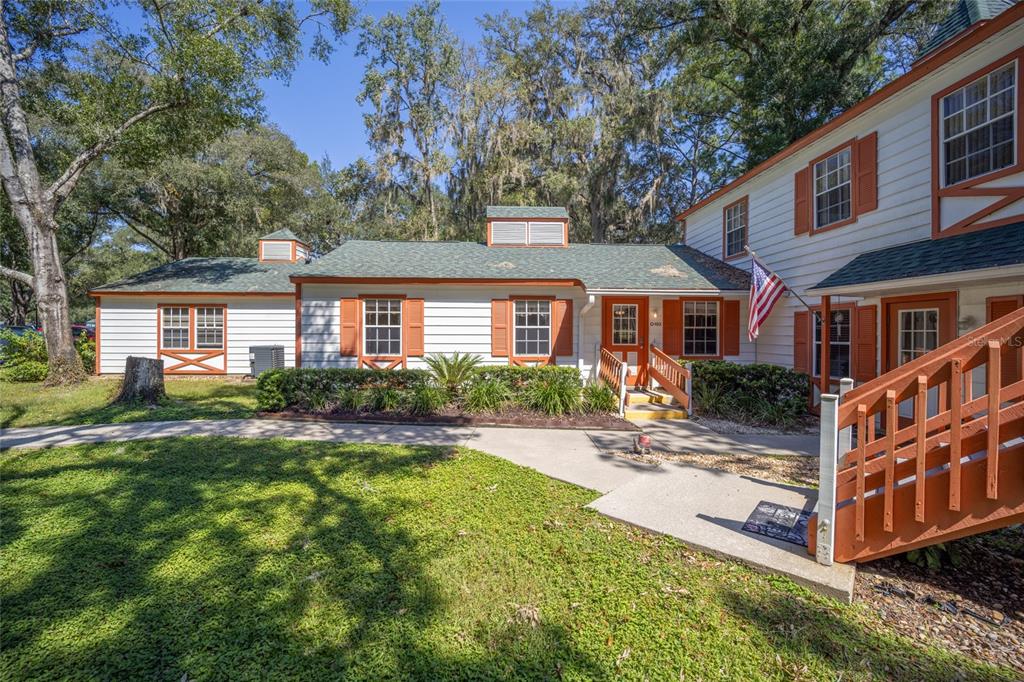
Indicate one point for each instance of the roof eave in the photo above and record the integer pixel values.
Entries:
(1002, 272)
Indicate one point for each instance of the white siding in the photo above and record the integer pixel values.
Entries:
(903, 123)
(128, 326)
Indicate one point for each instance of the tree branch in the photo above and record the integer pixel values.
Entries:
(18, 276)
(65, 184)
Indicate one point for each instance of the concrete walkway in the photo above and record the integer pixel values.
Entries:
(706, 509)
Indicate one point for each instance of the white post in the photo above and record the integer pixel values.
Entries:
(846, 435)
(622, 389)
(689, 387)
(827, 453)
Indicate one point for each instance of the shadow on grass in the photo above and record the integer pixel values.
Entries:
(802, 629)
(228, 400)
(213, 558)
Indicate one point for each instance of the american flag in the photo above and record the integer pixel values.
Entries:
(766, 288)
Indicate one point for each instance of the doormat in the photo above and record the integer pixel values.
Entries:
(781, 523)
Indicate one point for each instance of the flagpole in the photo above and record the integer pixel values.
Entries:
(800, 298)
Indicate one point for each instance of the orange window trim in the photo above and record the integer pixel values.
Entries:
(512, 357)
(719, 343)
(850, 144)
(945, 301)
(981, 31)
(970, 187)
(745, 201)
(208, 353)
(294, 247)
(403, 357)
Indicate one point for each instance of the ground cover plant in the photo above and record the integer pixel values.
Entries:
(212, 558)
(34, 404)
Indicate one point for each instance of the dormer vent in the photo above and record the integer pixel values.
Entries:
(527, 226)
(282, 246)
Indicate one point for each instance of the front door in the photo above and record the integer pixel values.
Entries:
(624, 333)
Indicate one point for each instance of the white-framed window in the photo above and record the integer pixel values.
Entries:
(700, 328)
(833, 189)
(918, 333)
(382, 327)
(174, 327)
(978, 123)
(532, 322)
(735, 228)
(624, 324)
(839, 348)
(210, 328)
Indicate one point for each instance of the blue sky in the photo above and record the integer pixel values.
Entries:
(318, 109)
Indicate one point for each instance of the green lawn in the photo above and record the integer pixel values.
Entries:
(220, 558)
(32, 404)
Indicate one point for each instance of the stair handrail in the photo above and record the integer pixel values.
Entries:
(676, 379)
(612, 371)
(951, 433)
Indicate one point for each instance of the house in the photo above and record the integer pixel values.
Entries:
(901, 220)
(525, 295)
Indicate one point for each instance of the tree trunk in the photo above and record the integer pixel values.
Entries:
(65, 366)
(143, 381)
(21, 297)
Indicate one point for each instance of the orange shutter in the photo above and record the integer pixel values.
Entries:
(865, 352)
(562, 327)
(499, 328)
(730, 327)
(672, 335)
(801, 341)
(1010, 357)
(866, 169)
(802, 201)
(349, 327)
(412, 315)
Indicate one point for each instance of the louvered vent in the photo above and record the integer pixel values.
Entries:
(547, 234)
(508, 232)
(277, 251)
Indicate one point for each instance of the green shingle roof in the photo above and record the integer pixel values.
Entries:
(995, 247)
(963, 15)
(284, 233)
(527, 212)
(211, 275)
(597, 266)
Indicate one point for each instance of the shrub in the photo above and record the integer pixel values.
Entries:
(552, 392)
(487, 395)
(351, 399)
(384, 399)
(452, 372)
(428, 400)
(30, 347)
(282, 388)
(758, 393)
(29, 370)
(516, 378)
(599, 399)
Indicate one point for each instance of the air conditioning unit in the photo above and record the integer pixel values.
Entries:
(262, 358)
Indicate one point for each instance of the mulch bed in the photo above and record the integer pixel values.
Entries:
(523, 419)
(808, 424)
(801, 471)
(931, 606)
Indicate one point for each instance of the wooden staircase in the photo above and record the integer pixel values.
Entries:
(929, 452)
(639, 403)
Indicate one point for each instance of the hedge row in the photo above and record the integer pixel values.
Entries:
(546, 390)
(23, 356)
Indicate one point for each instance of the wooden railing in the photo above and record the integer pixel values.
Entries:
(672, 376)
(612, 371)
(928, 452)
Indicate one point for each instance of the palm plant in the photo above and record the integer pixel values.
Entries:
(452, 372)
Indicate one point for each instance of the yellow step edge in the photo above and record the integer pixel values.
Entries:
(647, 398)
(648, 415)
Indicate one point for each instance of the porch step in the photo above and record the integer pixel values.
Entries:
(650, 411)
(647, 397)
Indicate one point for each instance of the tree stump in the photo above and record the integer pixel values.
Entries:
(143, 381)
